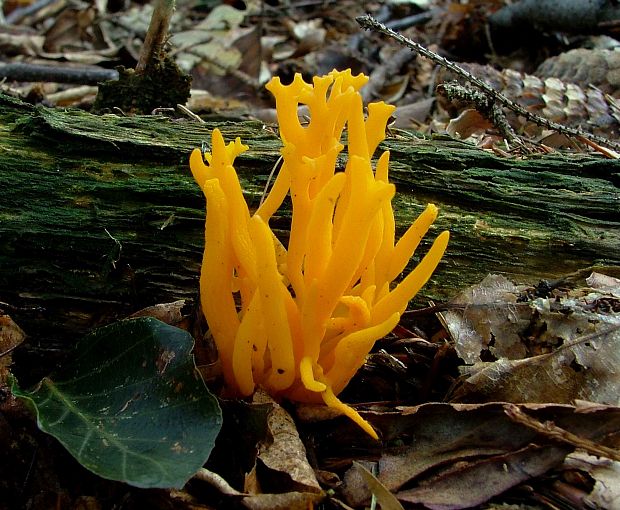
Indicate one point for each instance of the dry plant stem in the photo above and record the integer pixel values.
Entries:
(73, 94)
(186, 111)
(551, 430)
(17, 15)
(607, 152)
(217, 481)
(442, 307)
(369, 23)
(276, 168)
(585, 338)
(23, 71)
(156, 34)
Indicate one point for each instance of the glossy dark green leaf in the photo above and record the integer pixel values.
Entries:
(130, 406)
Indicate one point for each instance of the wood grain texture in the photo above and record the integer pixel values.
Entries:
(100, 216)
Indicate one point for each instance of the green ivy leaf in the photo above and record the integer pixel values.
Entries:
(130, 406)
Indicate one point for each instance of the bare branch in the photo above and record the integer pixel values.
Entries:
(369, 23)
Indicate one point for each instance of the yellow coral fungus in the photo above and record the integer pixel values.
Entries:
(306, 318)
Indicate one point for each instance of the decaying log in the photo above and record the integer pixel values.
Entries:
(100, 216)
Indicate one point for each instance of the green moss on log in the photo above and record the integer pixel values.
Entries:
(100, 215)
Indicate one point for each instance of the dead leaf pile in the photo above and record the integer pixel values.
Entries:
(11, 336)
(461, 455)
(559, 348)
(507, 394)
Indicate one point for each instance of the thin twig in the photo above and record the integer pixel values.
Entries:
(275, 167)
(552, 431)
(584, 339)
(217, 481)
(17, 15)
(186, 111)
(84, 75)
(444, 307)
(156, 35)
(369, 23)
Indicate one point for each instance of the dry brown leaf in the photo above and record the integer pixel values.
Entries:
(490, 319)
(11, 335)
(283, 452)
(578, 331)
(447, 450)
(414, 114)
(86, 57)
(21, 44)
(205, 101)
(170, 313)
(309, 34)
(581, 371)
(281, 477)
(71, 30)
(606, 476)
(285, 501)
(604, 283)
(210, 42)
(476, 482)
(469, 122)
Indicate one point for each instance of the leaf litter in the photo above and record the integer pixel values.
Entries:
(233, 48)
(445, 455)
(558, 348)
(461, 455)
(554, 351)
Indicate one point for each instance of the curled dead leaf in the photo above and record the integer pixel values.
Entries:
(11, 335)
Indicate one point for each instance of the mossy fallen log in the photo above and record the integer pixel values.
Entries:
(100, 216)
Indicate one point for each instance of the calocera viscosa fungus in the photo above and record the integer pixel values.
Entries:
(311, 313)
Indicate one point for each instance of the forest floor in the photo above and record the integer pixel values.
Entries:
(442, 387)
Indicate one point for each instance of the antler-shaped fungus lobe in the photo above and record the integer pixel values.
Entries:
(309, 315)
